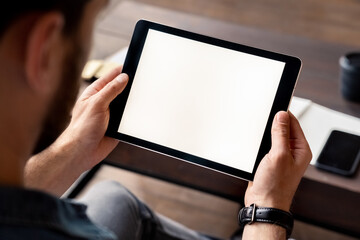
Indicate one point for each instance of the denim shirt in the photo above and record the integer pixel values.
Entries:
(29, 214)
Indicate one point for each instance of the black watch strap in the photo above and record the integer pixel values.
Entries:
(251, 214)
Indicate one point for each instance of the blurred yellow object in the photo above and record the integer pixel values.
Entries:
(95, 69)
(91, 68)
(105, 68)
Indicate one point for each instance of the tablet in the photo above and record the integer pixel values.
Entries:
(200, 99)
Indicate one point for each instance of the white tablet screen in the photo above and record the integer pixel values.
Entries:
(201, 99)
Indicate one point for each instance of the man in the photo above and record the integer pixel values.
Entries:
(43, 47)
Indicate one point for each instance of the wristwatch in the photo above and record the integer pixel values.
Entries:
(253, 213)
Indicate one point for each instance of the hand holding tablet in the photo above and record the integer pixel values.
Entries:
(200, 99)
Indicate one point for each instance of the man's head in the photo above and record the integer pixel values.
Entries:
(15, 10)
(43, 47)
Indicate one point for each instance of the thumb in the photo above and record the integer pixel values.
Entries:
(112, 89)
(280, 132)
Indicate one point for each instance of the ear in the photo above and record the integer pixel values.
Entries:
(43, 40)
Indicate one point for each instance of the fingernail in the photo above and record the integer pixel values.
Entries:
(282, 117)
(121, 78)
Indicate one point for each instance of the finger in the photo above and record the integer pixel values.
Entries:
(99, 84)
(297, 135)
(112, 89)
(299, 143)
(295, 128)
(280, 132)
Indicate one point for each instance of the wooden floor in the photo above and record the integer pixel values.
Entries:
(187, 206)
(335, 21)
(197, 210)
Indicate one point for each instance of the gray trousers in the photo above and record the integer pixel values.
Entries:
(111, 205)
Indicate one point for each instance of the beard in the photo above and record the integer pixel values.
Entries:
(58, 116)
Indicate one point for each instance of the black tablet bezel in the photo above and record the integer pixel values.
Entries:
(281, 101)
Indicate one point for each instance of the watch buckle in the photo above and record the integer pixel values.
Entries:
(253, 213)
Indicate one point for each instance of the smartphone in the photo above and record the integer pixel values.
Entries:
(341, 154)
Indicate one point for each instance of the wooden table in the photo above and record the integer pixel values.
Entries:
(322, 198)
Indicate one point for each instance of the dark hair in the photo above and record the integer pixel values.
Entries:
(71, 9)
